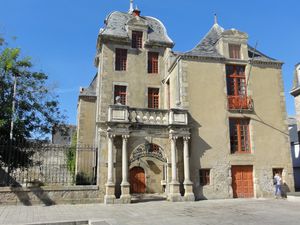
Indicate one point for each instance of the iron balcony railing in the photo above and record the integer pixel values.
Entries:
(147, 116)
(240, 103)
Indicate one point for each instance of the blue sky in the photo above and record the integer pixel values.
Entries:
(60, 35)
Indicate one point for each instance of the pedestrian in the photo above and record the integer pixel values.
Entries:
(277, 183)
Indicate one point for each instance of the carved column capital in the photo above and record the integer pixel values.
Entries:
(173, 137)
(125, 137)
(186, 137)
(110, 135)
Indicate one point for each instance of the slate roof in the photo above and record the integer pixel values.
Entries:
(116, 27)
(91, 90)
(207, 47)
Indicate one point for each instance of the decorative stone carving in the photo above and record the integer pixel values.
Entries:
(144, 151)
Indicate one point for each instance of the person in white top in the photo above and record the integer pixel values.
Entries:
(277, 182)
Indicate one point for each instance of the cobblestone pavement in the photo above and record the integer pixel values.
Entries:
(210, 212)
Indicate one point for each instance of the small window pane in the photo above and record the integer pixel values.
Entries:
(234, 51)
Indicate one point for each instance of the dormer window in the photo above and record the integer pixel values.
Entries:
(137, 39)
(234, 51)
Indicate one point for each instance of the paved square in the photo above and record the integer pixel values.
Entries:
(210, 212)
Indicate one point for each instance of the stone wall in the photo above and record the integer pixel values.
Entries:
(50, 195)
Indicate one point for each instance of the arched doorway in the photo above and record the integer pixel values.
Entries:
(137, 180)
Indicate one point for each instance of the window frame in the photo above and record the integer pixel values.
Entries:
(234, 51)
(137, 39)
(121, 59)
(242, 134)
(236, 78)
(204, 177)
(153, 62)
(152, 98)
(120, 93)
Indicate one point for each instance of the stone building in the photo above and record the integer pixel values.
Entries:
(294, 128)
(203, 124)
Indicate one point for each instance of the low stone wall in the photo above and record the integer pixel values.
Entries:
(50, 195)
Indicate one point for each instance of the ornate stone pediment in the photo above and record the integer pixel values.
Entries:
(144, 150)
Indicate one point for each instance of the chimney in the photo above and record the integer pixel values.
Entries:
(136, 12)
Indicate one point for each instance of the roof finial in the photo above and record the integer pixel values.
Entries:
(215, 18)
(131, 6)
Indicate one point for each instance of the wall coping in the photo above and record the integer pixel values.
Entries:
(50, 188)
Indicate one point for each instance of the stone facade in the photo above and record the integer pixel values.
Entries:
(190, 124)
(48, 195)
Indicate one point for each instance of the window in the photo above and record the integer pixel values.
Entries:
(120, 90)
(153, 148)
(239, 135)
(236, 80)
(121, 59)
(204, 176)
(237, 88)
(234, 51)
(137, 39)
(153, 98)
(152, 62)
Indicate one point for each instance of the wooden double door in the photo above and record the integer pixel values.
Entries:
(137, 180)
(242, 181)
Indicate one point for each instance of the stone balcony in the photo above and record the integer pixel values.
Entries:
(147, 116)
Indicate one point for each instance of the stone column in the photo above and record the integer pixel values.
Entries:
(110, 197)
(125, 186)
(188, 185)
(174, 194)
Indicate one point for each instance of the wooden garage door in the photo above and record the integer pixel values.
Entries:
(242, 181)
(137, 180)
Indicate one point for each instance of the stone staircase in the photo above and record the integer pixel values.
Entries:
(135, 198)
(293, 196)
(79, 222)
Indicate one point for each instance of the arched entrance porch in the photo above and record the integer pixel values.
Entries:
(148, 169)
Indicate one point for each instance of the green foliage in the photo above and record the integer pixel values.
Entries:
(71, 155)
(37, 109)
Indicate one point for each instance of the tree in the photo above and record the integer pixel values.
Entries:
(37, 109)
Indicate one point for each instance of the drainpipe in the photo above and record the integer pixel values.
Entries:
(178, 93)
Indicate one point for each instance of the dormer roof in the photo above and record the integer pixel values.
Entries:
(116, 26)
(207, 46)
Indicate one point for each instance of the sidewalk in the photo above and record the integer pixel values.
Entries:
(210, 212)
